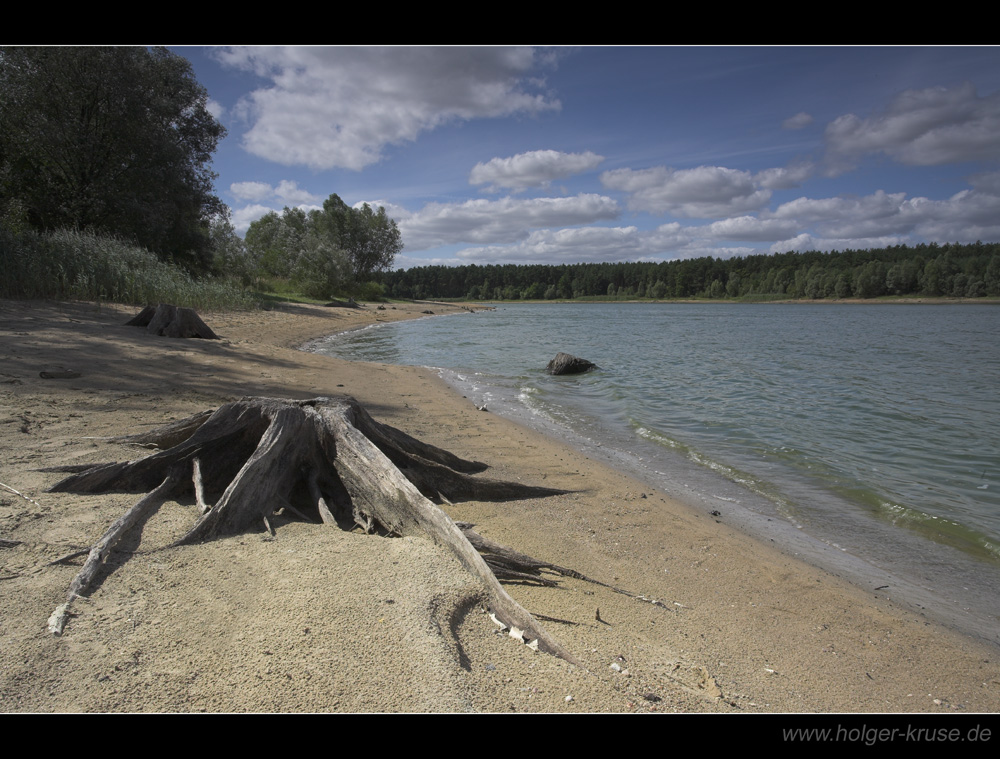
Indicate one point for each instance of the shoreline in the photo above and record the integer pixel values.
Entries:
(953, 604)
(935, 579)
(220, 626)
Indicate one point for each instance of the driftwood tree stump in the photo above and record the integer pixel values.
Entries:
(325, 459)
(172, 321)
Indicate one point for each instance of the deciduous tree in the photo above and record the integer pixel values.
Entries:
(111, 139)
(336, 248)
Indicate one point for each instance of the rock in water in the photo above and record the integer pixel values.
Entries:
(564, 363)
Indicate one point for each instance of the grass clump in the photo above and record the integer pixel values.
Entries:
(75, 265)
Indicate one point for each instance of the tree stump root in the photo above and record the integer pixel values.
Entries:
(166, 320)
(337, 465)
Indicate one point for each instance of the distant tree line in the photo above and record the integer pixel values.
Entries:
(955, 270)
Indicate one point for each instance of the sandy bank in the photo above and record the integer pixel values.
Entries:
(322, 620)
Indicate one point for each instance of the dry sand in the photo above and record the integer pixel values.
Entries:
(321, 620)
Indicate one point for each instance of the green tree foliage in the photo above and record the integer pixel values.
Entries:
(110, 139)
(273, 243)
(336, 249)
(231, 256)
(369, 237)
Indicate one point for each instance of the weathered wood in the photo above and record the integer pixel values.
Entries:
(168, 435)
(258, 453)
(199, 487)
(508, 563)
(81, 583)
(172, 321)
(325, 514)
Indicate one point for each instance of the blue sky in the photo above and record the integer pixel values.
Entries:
(566, 155)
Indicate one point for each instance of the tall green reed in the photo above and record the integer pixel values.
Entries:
(70, 264)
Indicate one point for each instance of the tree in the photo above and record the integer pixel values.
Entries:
(230, 254)
(369, 238)
(336, 248)
(273, 244)
(111, 139)
(321, 269)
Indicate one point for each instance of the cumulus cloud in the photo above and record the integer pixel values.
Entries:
(536, 168)
(784, 179)
(243, 217)
(748, 228)
(855, 222)
(798, 121)
(988, 182)
(499, 221)
(966, 216)
(394, 211)
(806, 241)
(251, 190)
(704, 192)
(806, 210)
(562, 246)
(290, 194)
(287, 193)
(588, 244)
(330, 107)
(842, 218)
(256, 194)
(927, 127)
(215, 108)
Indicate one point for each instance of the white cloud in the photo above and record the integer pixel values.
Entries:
(394, 211)
(563, 246)
(704, 192)
(499, 221)
(748, 228)
(290, 194)
(798, 121)
(332, 107)
(967, 216)
(287, 193)
(215, 108)
(842, 218)
(784, 179)
(922, 128)
(860, 222)
(806, 241)
(590, 244)
(810, 210)
(251, 190)
(243, 217)
(536, 168)
(988, 182)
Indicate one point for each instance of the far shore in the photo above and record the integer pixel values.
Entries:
(888, 300)
(316, 619)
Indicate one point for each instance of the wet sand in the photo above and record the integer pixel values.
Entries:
(321, 620)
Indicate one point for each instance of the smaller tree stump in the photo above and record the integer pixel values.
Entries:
(172, 321)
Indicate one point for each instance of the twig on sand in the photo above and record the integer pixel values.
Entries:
(15, 492)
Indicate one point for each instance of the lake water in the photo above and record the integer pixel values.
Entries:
(864, 438)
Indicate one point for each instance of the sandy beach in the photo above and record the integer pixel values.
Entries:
(316, 619)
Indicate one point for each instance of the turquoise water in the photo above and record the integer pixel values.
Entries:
(873, 430)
